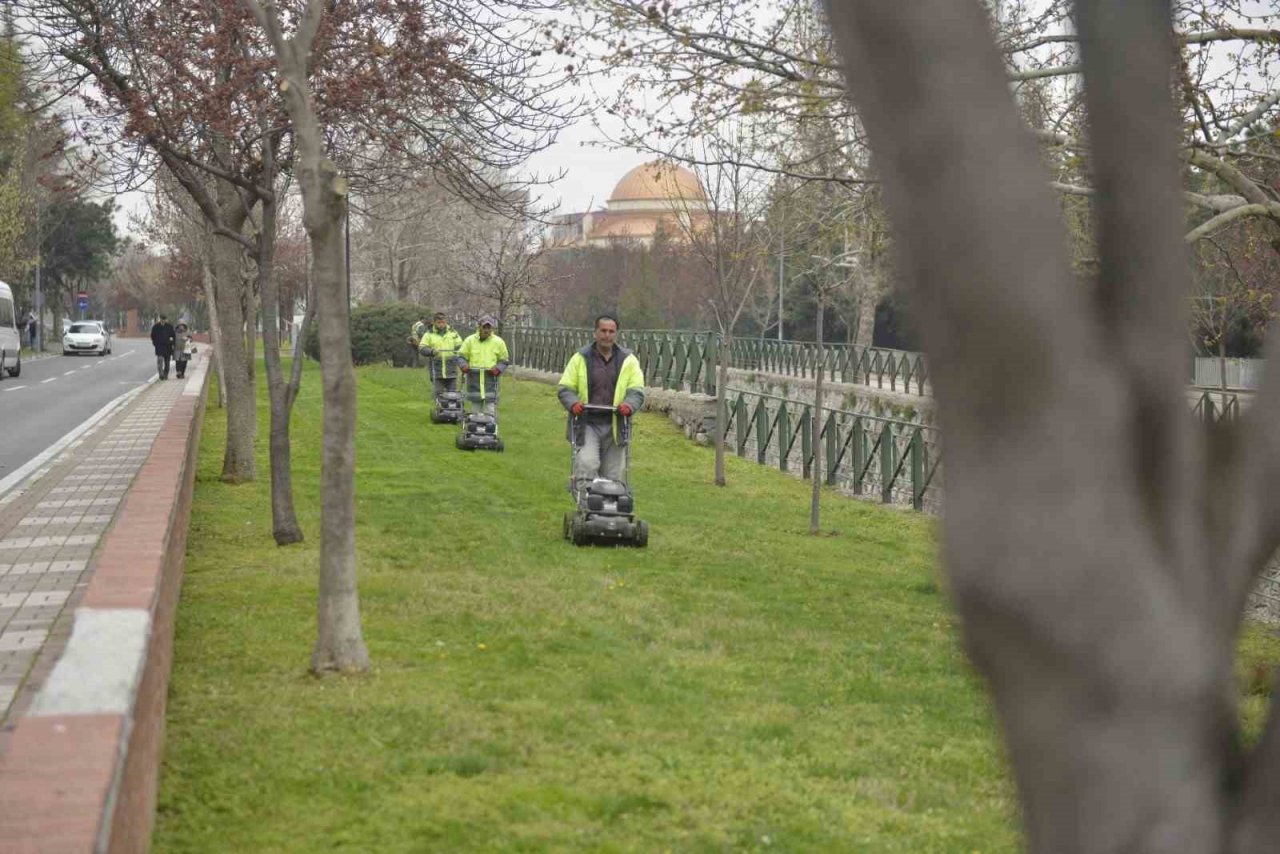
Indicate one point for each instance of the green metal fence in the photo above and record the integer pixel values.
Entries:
(896, 461)
(1212, 406)
(687, 360)
(897, 370)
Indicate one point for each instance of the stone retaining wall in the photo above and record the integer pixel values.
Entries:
(849, 397)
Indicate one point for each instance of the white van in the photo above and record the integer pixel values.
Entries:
(10, 340)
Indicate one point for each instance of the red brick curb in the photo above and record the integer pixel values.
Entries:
(81, 774)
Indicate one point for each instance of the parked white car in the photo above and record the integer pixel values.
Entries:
(10, 340)
(86, 336)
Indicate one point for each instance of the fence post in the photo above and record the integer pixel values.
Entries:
(917, 470)
(710, 358)
(888, 463)
(784, 435)
(832, 437)
(859, 454)
(762, 432)
(740, 421)
(806, 441)
(676, 369)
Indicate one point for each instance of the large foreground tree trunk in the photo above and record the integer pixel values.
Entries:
(238, 463)
(339, 640)
(1100, 545)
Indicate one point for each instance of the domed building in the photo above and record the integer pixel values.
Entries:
(656, 196)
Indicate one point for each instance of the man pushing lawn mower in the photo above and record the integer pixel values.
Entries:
(440, 344)
(482, 358)
(602, 386)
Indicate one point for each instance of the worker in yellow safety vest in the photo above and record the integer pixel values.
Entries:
(601, 374)
(483, 358)
(440, 344)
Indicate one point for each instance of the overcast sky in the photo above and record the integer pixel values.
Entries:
(590, 170)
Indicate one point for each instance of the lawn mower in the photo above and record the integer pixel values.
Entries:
(606, 508)
(448, 407)
(479, 428)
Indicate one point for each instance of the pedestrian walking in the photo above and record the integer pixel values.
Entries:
(181, 349)
(31, 330)
(162, 335)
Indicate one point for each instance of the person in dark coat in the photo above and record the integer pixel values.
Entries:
(162, 336)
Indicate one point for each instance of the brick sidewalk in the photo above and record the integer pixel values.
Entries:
(92, 548)
(49, 528)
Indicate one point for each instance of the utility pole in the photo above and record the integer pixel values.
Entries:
(38, 345)
(782, 254)
(346, 255)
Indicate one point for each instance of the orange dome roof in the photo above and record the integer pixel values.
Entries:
(658, 180)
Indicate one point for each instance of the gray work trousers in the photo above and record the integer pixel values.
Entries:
(598, 456)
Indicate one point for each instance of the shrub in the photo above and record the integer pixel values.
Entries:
(379, 333)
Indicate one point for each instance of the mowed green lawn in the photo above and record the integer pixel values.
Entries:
(739, 685)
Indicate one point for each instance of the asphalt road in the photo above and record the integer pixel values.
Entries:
(55, 395)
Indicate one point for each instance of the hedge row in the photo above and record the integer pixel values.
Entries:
(379, 333)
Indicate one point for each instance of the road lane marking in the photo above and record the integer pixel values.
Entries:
(13, 388)
(51, 379)
(22, 472)
(68, 373)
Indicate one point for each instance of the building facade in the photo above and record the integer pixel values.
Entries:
(655, 197)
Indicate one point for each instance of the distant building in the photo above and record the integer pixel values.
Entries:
(657, 196)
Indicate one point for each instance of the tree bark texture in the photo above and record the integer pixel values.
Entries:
(339, 639)
(215, 332)
(284, 521)
(869, 292)
(722, 407)
(238, 463)
(339, 642)
(1100, 544)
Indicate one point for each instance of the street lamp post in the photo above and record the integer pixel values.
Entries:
(38, 344)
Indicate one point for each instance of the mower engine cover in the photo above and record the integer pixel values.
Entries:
(480, 423)
(610, 497)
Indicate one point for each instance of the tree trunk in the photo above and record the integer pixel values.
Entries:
(238, 463)
(815, 502)
(1222, 360)
(339, 640)
(1099, 545)
(722, 410)
(215, 334)
(868, 299)
(284, 521)
(250, 308)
